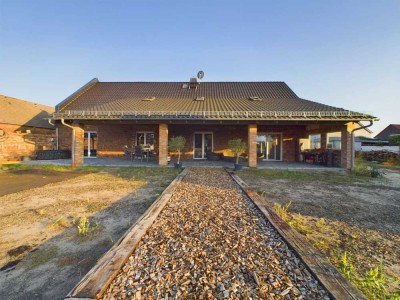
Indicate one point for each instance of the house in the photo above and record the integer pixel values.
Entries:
(24, 128)
(392, 129)
(101, 117)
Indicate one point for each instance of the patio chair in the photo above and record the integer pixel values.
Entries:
(128, 153)
(138, 153)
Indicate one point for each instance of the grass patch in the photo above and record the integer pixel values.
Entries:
(40, 257)
(372, 282)
(342, 177)
(68, 260)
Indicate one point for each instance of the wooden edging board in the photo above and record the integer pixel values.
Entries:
(96, 281)
(336, 285)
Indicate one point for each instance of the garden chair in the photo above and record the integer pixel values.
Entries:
(128, 153)
(138, 153)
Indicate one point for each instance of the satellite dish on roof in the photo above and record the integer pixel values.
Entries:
(200, 75)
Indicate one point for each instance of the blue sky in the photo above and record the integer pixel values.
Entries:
(341, 53)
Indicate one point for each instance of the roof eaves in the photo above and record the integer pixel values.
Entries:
(67, 101)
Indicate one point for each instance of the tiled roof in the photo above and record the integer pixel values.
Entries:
(24, 113)
(220, 98)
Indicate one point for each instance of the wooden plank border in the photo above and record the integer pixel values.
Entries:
(93, 285)
(336, 285)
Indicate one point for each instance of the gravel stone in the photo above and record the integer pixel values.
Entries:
(211, 242)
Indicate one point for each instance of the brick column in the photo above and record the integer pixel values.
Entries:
(252, 145)
(79, 145)
(346, 151)
(323, 140)
(163, 144)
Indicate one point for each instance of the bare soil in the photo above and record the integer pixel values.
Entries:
(340, 212)
(19, 180)
(42, 255)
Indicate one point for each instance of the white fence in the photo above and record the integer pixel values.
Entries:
(394, 149)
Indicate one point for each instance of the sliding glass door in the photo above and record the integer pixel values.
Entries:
(269, 146)
(202, 143)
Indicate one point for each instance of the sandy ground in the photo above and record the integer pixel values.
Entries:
(361, 216)
(41, 253)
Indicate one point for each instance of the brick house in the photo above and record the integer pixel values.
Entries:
(269, 116)
(24, 128)
(385, 134)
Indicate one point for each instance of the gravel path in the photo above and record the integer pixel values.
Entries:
(210, 242)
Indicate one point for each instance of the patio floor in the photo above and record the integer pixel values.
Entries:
(116, 162)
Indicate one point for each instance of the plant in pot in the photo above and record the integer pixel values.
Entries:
(237, 146)
(176, 144)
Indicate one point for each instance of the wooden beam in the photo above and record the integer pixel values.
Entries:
(96, 281)
(336, 285)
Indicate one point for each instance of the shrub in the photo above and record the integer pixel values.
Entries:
(177, 144)
(237, 146)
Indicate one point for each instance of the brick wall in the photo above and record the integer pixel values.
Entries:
(112, 137)
(16, 142)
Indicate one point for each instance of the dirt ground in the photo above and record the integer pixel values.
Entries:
(340, 212)
(42, 255)
(19, 180)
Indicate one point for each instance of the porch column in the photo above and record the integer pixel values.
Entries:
(162, 144)
(252, 145)
(346, 151)
(78, 146)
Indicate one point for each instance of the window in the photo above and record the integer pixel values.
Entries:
(315, 141)
(145, 139)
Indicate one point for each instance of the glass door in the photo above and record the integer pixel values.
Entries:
(90, 144)
(269, 146)
(202, 144)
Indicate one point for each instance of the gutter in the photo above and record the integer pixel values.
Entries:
(73, 164)
(353, 152)
(49, 120)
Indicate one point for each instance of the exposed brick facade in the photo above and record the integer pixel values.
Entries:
(252, 145)
(163, 145)
(79, 145)
(346, 145)
(111, 138)
(18, 141)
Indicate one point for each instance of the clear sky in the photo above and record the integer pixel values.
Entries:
(341, 53)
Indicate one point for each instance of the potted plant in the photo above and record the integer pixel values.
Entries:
(176, 144)
(237, 146)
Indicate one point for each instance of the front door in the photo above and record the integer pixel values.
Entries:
(90, 144)
(269, 146)
(202, 143)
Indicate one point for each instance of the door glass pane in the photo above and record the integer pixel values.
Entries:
(277, 145)
(150, 140)
(261, 146)
(207, 144)
(85, 144)
(198, 145)
(93, 144)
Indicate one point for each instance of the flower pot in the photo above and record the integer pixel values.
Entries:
(238, 167)
(178, 166)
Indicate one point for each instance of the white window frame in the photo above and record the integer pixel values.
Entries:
(144, 140)
(88, 138)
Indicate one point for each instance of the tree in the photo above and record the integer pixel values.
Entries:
(237, 146)
(177, 144)
(394, 140)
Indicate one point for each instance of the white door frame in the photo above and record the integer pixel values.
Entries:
(88, 138)
(281, 144)
(202, 143)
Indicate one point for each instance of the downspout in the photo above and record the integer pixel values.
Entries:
(56, 132)
(73, 165)
(371, 122)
